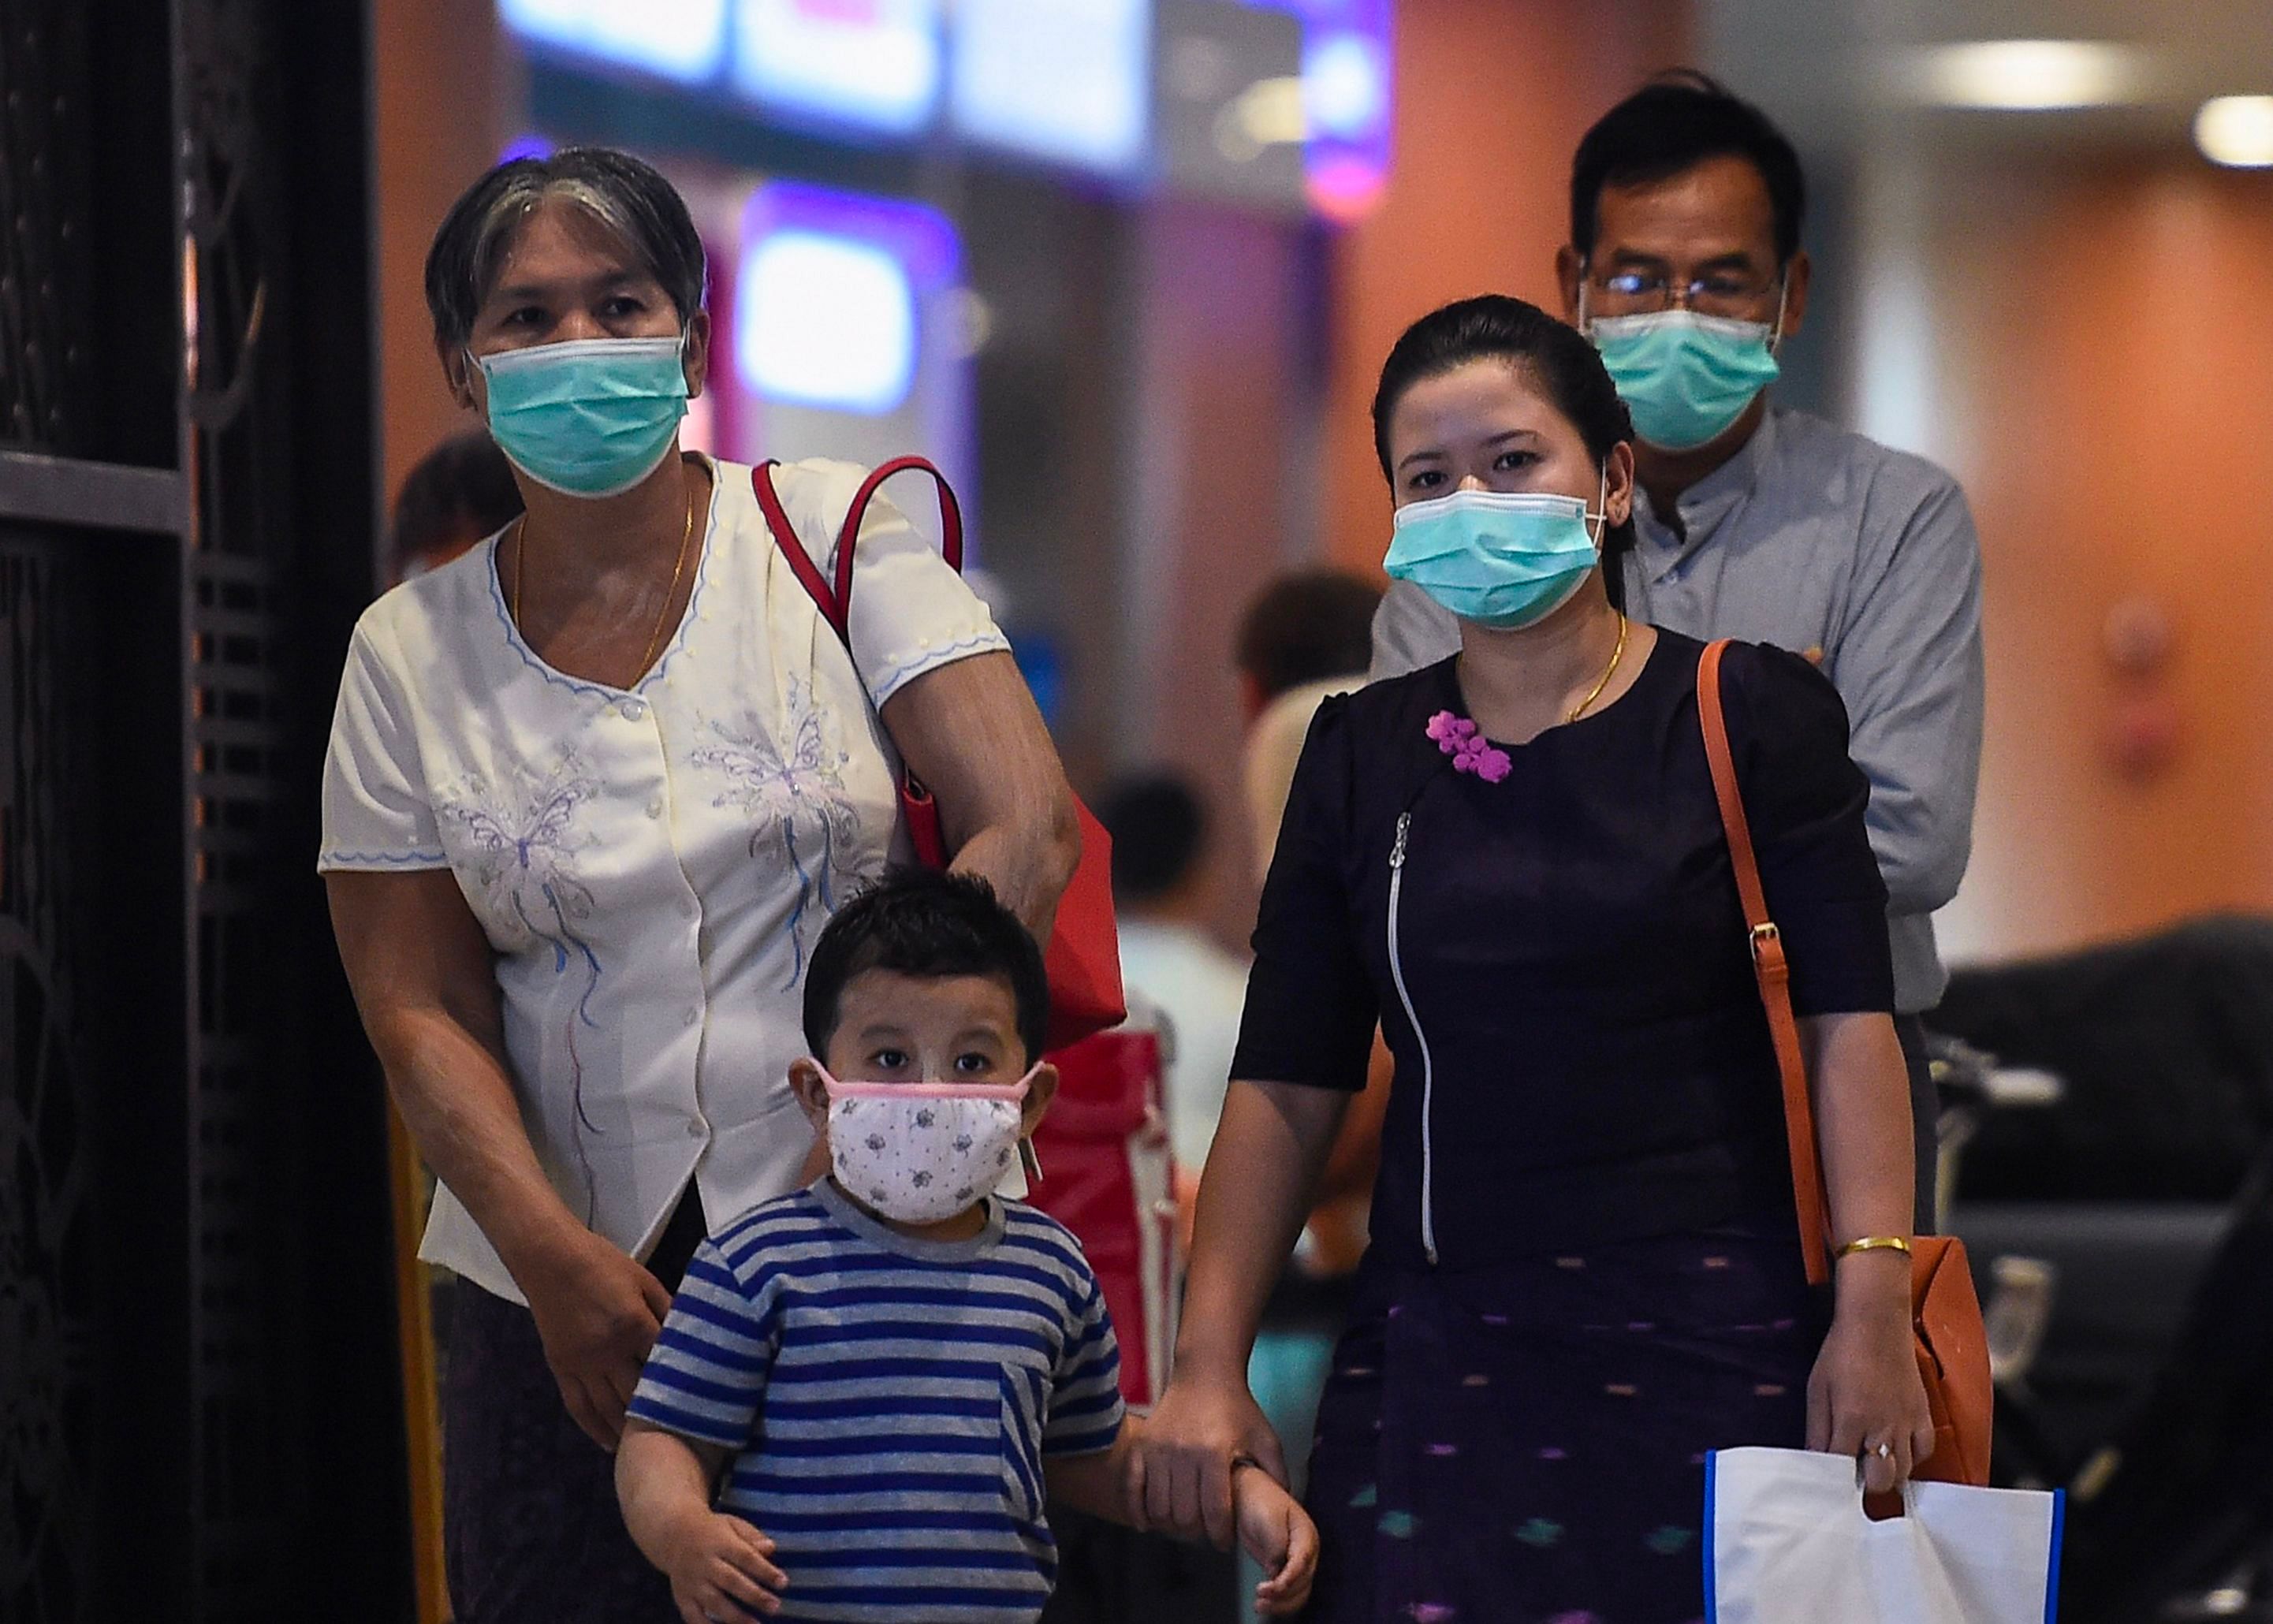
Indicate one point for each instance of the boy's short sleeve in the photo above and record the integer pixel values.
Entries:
(707, 1375)
(1086, 1407)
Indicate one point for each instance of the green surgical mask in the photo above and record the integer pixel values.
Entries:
(1685, 377)
(587, 417)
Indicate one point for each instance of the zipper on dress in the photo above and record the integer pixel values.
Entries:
(1428, 1066)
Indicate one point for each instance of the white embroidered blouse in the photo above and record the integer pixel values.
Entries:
(651, 866)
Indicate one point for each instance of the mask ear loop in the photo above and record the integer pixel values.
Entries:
(1783, 294)
(1601, 513)
(473, 367)
(1029, 1158)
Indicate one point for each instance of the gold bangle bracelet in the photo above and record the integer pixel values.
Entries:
(1877, 1243)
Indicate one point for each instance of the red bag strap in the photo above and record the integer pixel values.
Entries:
(1771, 968)
(834, 600)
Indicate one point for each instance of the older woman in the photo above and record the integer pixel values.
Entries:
(593, 791)
(1584, 1271)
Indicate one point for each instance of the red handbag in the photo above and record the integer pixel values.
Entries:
(1105, 1143)
(1083, 951)
(1952, 1346)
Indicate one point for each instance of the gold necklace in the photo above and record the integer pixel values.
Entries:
(678, 570)
(1616, 655)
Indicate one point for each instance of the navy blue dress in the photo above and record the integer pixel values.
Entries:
(1585, 1270)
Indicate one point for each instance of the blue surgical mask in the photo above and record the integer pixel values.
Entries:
(1504, 559)
(1686, 377)
(587, 417)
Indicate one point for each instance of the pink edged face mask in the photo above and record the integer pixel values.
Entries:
(921, 1152)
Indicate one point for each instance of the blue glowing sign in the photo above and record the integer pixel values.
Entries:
(868, 64)
(1067, 81)
(682, 40)
(1347, 75)
(830, 297)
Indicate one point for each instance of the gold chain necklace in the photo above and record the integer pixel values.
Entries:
(662, 617)
(1616, 655)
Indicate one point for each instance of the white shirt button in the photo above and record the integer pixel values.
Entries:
(696, 1128)
(655, 807)
(690, 1017)
(631, 710)
(687, 909)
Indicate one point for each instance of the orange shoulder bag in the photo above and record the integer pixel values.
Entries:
(1953, 1348)
(1084, 953)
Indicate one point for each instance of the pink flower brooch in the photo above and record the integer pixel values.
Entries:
(1471, 752)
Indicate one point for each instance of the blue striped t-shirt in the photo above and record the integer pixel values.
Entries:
(891, 1401)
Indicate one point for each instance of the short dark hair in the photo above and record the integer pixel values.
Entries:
(1567, 369)
(466, 478)
(923, 922)
(627, 194)
(1306, 627)
(1159, 829)
(1671, 124)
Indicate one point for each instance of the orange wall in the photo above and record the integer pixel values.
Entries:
(2106, 354)
(440, 72)
(1492, 96)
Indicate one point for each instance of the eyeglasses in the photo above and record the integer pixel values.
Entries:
(1736, 294)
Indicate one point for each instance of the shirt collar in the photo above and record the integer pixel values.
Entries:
(848, 1212)
(1705, 505)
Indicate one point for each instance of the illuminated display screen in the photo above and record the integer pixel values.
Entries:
(871, 64)
(682, 40)
(1347, 67)
(1067, 81)
(829, 301)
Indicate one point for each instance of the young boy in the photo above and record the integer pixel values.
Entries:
(897, 1365)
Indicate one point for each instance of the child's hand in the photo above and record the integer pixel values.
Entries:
(1276, 1532)
(721, 1569)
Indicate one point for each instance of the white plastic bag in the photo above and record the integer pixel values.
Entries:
(1790, 1545)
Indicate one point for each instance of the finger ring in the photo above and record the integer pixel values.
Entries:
(1885, 1452)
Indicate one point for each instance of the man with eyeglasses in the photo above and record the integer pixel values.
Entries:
(1759, 523)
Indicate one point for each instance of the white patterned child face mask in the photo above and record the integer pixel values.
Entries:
(922, 1152)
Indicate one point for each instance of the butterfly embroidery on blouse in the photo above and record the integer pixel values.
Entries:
(519, 855)
(796, 796)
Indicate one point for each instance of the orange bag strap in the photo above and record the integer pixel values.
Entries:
(1771, 968)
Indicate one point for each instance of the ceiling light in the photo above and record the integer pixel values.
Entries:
(2025, 75)
(2236, 130)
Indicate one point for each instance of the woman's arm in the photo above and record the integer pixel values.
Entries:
(424, 982)
(1866, 1388)
(971, 732)
(1270, 1149)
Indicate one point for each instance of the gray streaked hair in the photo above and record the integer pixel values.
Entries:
(620, 191)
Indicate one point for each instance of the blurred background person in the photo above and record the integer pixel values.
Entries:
(1304, 636)
(1161, 890)
(457, 495)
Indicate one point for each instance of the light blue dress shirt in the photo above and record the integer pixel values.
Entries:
(1812, 537)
